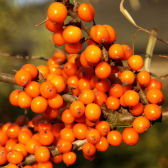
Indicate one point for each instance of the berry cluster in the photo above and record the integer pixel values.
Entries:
(75, 93)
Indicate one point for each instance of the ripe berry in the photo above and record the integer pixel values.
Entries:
(112, 103)
(87, 96)
(73, 48)
(137, 109)
(58, 38)
(67, 134)
(69, 158)
(111, 32)
(67, 117)
(116, 51)
(44, 71)
(79, 131)
(56, 102)
(13, 97)
(31, 69)
(64, 146)
(154, 84)
(143, 78)
(3, 155)
(89, 149)
(131, 98)
(24, 101)
(53, 27)
(59, 56)
(114, 138)
(127, 51)
(102, 145)
(93, 136)
(135, 62)
(127, 77)
(154, 96)
(15, 157)
(22, 77)
(42, 154)
(103, 127)
(116, 90)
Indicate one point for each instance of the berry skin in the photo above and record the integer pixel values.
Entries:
(116, 51)
(131, 98)
(59, 56)
(3, 138)
(15, 157)
(111, 32)
(57, 159)
(13, 97)
(103, 70)
(32, 145)
(58, 38)
(93, 136)
(100, 97)
(11, 166)
(80, 131)
(69, 158)
(53, 27)
(67, 117)
(31, 69)
(3, 155)
(86, 12)
(127, 51)
(39, 104)
(130, 136)
(135, 62)
(73, 48)
(72, 81)
(24, 137)
(89, 149)
(137, 109)
(46, 138)
(56, 102)
(64, 146)
(13, 131)
(127, 77)
(102, 145)
(52, 113)
(57, 12)
(43, 70)
(22, 77)
(20, 148)
(112, 103)
(70, 69)
(154, 84)
(152, 112)
(114, 138)
(67, 134)
(143, 78)
(103, 127)
(72, 34)
(42, 154)
(92, 112)
(87, 96)
(47, 164)
(141, 124)
(24, 101)
(93, 54)
(116, 90)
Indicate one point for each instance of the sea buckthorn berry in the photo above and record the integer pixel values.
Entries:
(13, 131)
(56, 102)
(84, 84)
(152, 112)
(56, 128)
(32, 145)
(103, 127)
(46, 138)
(93, 136)
(131, 98)
(93, 54)
(67, 134)
(154, 96)
(130, 136)
(112, 103)
(143, 78)
(15, 157)
(57, 159)
(73, 48)
(116, 90)
(47, 164)
(141, 124)
(3, 155)
(59, 56)
(72, 34)
(20, 148)
(58, 38)
(33, 89)
(27, 166)
(31, 69)
(103, 70)
(87, 96)
(100, 97)
(103, 85)
(51, 62)
(127, 51)
(5, 127)
(102, 145)
(116, 51)
(3, 138)
(44, 71)
(92, 112)
(48, 90)
(10, 144)
(42, 154)
(24, 101)
(127, 77)
(114, 138)
(57, 12)
(137, 109)
(77, 109)
(89, 149)
(111, 32)
(53, 27)
(52, 113)
(72, 81)
(99, 34)
(72, 58)
(154, 84)
(67, 117)
(22, 77)
(83, 60)
(13, 97)
(70, 69)
(39, 104)
(135, 62)
(64, 146)
(90, 158)
(24, 137)
(80, 130)
(69, 158)
(54, 69)
(12, 166)
(86, 12)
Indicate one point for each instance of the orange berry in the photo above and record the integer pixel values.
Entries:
(13, 97)
(114, 138)
(57, 12)
(32, 145)
(141, 124)
(152, 112)
(58, 38)
(44, 71)
(20, 148)
(127, 77)
(93, 54)
(53, 27)
(39, 104)
(59, 56)
(131, 98)
(77, 109)
(93, 136)
(67, 117)
(3, 138)
(67, 134)
(83, 60)
(135, 62)
(116, 51)
(15, 157)
(52, 113)
(155, 84)
(31, 69)
(143, 78)
(137, 109)
(86, 12)
(116, 90)
(112, 103)
(56, 102)
(92, 112)
(154, 96)
(102, 145)
(10, 144)
(64, 146)
(3, 155)
(12, 166)
(103, 127)
(72, 81)
(72, 34)
(46, 138)
(47, 164)
(103, 70)
(42, 154)
(87, 96)
(73, 48)
(130, 136)
(24, 101)
(57, 159)
(89, 149)
(127, 51)
(79, 131)
(100, 97)
(24, 137)
(70, 69)
(111, 32)
(69, 158)
(103, 85)
(84, 84)
(22, 77)
(13, 131)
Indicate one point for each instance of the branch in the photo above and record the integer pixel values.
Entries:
(7, 78)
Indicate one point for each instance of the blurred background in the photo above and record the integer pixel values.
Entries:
(19, 36)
